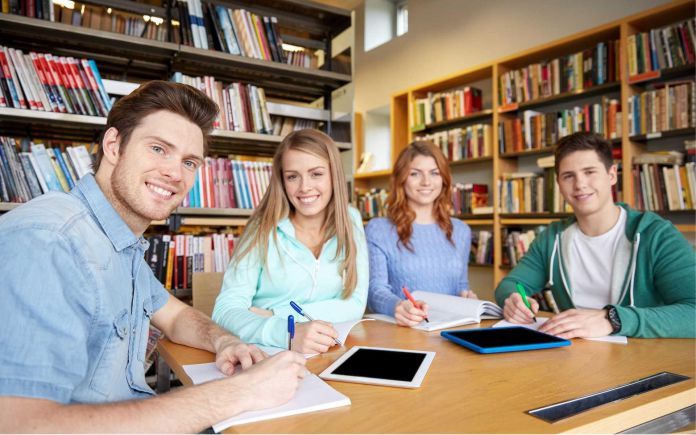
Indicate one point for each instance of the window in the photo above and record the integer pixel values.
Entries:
(401, 17)
(384, 20)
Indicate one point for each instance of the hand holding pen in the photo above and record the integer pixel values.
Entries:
(315, 336)
(410, 312)
(518, 308)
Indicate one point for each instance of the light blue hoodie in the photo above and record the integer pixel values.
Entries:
(293, 274)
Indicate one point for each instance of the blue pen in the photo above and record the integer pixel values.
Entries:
(308, 317)
(291, 330)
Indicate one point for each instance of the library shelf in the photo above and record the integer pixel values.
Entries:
(681, 132)
(483, 115)
(651, 77)
(529, 152)
(7, 206)
(472, 160)
(374, 174)
(562, 97)
(483, 266)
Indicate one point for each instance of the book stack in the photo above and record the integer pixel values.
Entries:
(445, 106)
(283, 125)
(516, 243)
(536, 130)
(111, 20)
(668, 107)
(463, 142)
(468, 197)
(592, 67)
(481, 247)
(242, 107)
(175, 258)
(663, 182)
(229, 183)
(29, 169)
(372, 203)
(666, 47)
(40, 81)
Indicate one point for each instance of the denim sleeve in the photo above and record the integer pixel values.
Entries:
(46, 311)
(158, 294)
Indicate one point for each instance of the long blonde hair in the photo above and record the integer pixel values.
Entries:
(275, 206)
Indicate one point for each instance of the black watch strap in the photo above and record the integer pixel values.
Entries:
(613, 318)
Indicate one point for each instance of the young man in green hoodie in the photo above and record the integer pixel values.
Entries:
(611, 269)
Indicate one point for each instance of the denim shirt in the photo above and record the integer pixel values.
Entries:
(76, 298)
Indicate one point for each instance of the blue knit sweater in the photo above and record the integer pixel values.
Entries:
(435, 265)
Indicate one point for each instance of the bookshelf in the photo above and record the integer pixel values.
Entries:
(495, 112)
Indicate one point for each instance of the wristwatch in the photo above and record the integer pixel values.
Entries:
(613, 318)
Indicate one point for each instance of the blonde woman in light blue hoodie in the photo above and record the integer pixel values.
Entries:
(303, 244)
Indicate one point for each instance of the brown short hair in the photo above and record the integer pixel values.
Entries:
(154, 96)
(582, 142)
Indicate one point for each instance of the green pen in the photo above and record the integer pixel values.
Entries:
(520, 290)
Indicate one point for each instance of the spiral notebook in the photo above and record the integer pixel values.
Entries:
(446, 311)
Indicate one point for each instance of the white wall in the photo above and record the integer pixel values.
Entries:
(446, 36)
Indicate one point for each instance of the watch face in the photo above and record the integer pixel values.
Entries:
(614, 320)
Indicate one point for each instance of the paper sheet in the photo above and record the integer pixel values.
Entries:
(343, 329)
(619, 339)
(313, 395)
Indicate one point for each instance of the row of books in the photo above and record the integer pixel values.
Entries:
(40, 81)
(666, 47)
(305, 58)
(284, 125)
(229, 183)
(110, 20)
(371, 203)
(29, 169)
(468, 197)
(516, 243)
(481, 247)
(237, 31)
(665, 187)
(529, 192)
(585, 69)
(535, 130)
(175, 258)
(30, 8)
(671, 106)
(444, 106)
(242, 106)
(463, 142)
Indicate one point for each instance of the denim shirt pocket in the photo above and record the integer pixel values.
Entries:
(114, 355)
(136, 367)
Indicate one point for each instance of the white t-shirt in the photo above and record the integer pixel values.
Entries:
(596, 265)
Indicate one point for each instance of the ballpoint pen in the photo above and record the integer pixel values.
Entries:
(413, 301)
(308, 317)
(520, 290)
(291, 330)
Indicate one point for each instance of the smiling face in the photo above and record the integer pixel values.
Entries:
(307, 183)
(157, 168)
(585, 183)
(423, 183)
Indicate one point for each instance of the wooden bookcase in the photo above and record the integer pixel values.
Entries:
(402, 105)
(136, 59)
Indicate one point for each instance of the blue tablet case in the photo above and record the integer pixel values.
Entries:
(540, 340)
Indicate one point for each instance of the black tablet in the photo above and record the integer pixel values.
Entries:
(507, 339)
(380, 366)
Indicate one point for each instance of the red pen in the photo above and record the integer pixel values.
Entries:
(413, 301)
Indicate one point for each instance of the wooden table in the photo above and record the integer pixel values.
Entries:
(467, 392)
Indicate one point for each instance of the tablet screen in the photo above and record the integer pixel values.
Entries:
(381, 364)
(501, 337)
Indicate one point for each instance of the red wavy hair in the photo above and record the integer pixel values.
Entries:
(398, 209)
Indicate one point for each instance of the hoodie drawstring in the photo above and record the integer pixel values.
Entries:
(634, 260)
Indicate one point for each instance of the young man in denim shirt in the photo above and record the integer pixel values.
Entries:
(77, 296)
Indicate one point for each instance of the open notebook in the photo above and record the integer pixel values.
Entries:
(313, 395)
(446, 311)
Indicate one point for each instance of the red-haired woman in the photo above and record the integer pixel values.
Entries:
(418, 245)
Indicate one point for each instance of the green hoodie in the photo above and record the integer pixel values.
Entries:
(658, 297)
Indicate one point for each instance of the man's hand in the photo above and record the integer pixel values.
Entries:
(230, 351)
(578, 323)
(406, 314)
(316, 336)
(270, 383)
(515, 311)
(468, 294)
